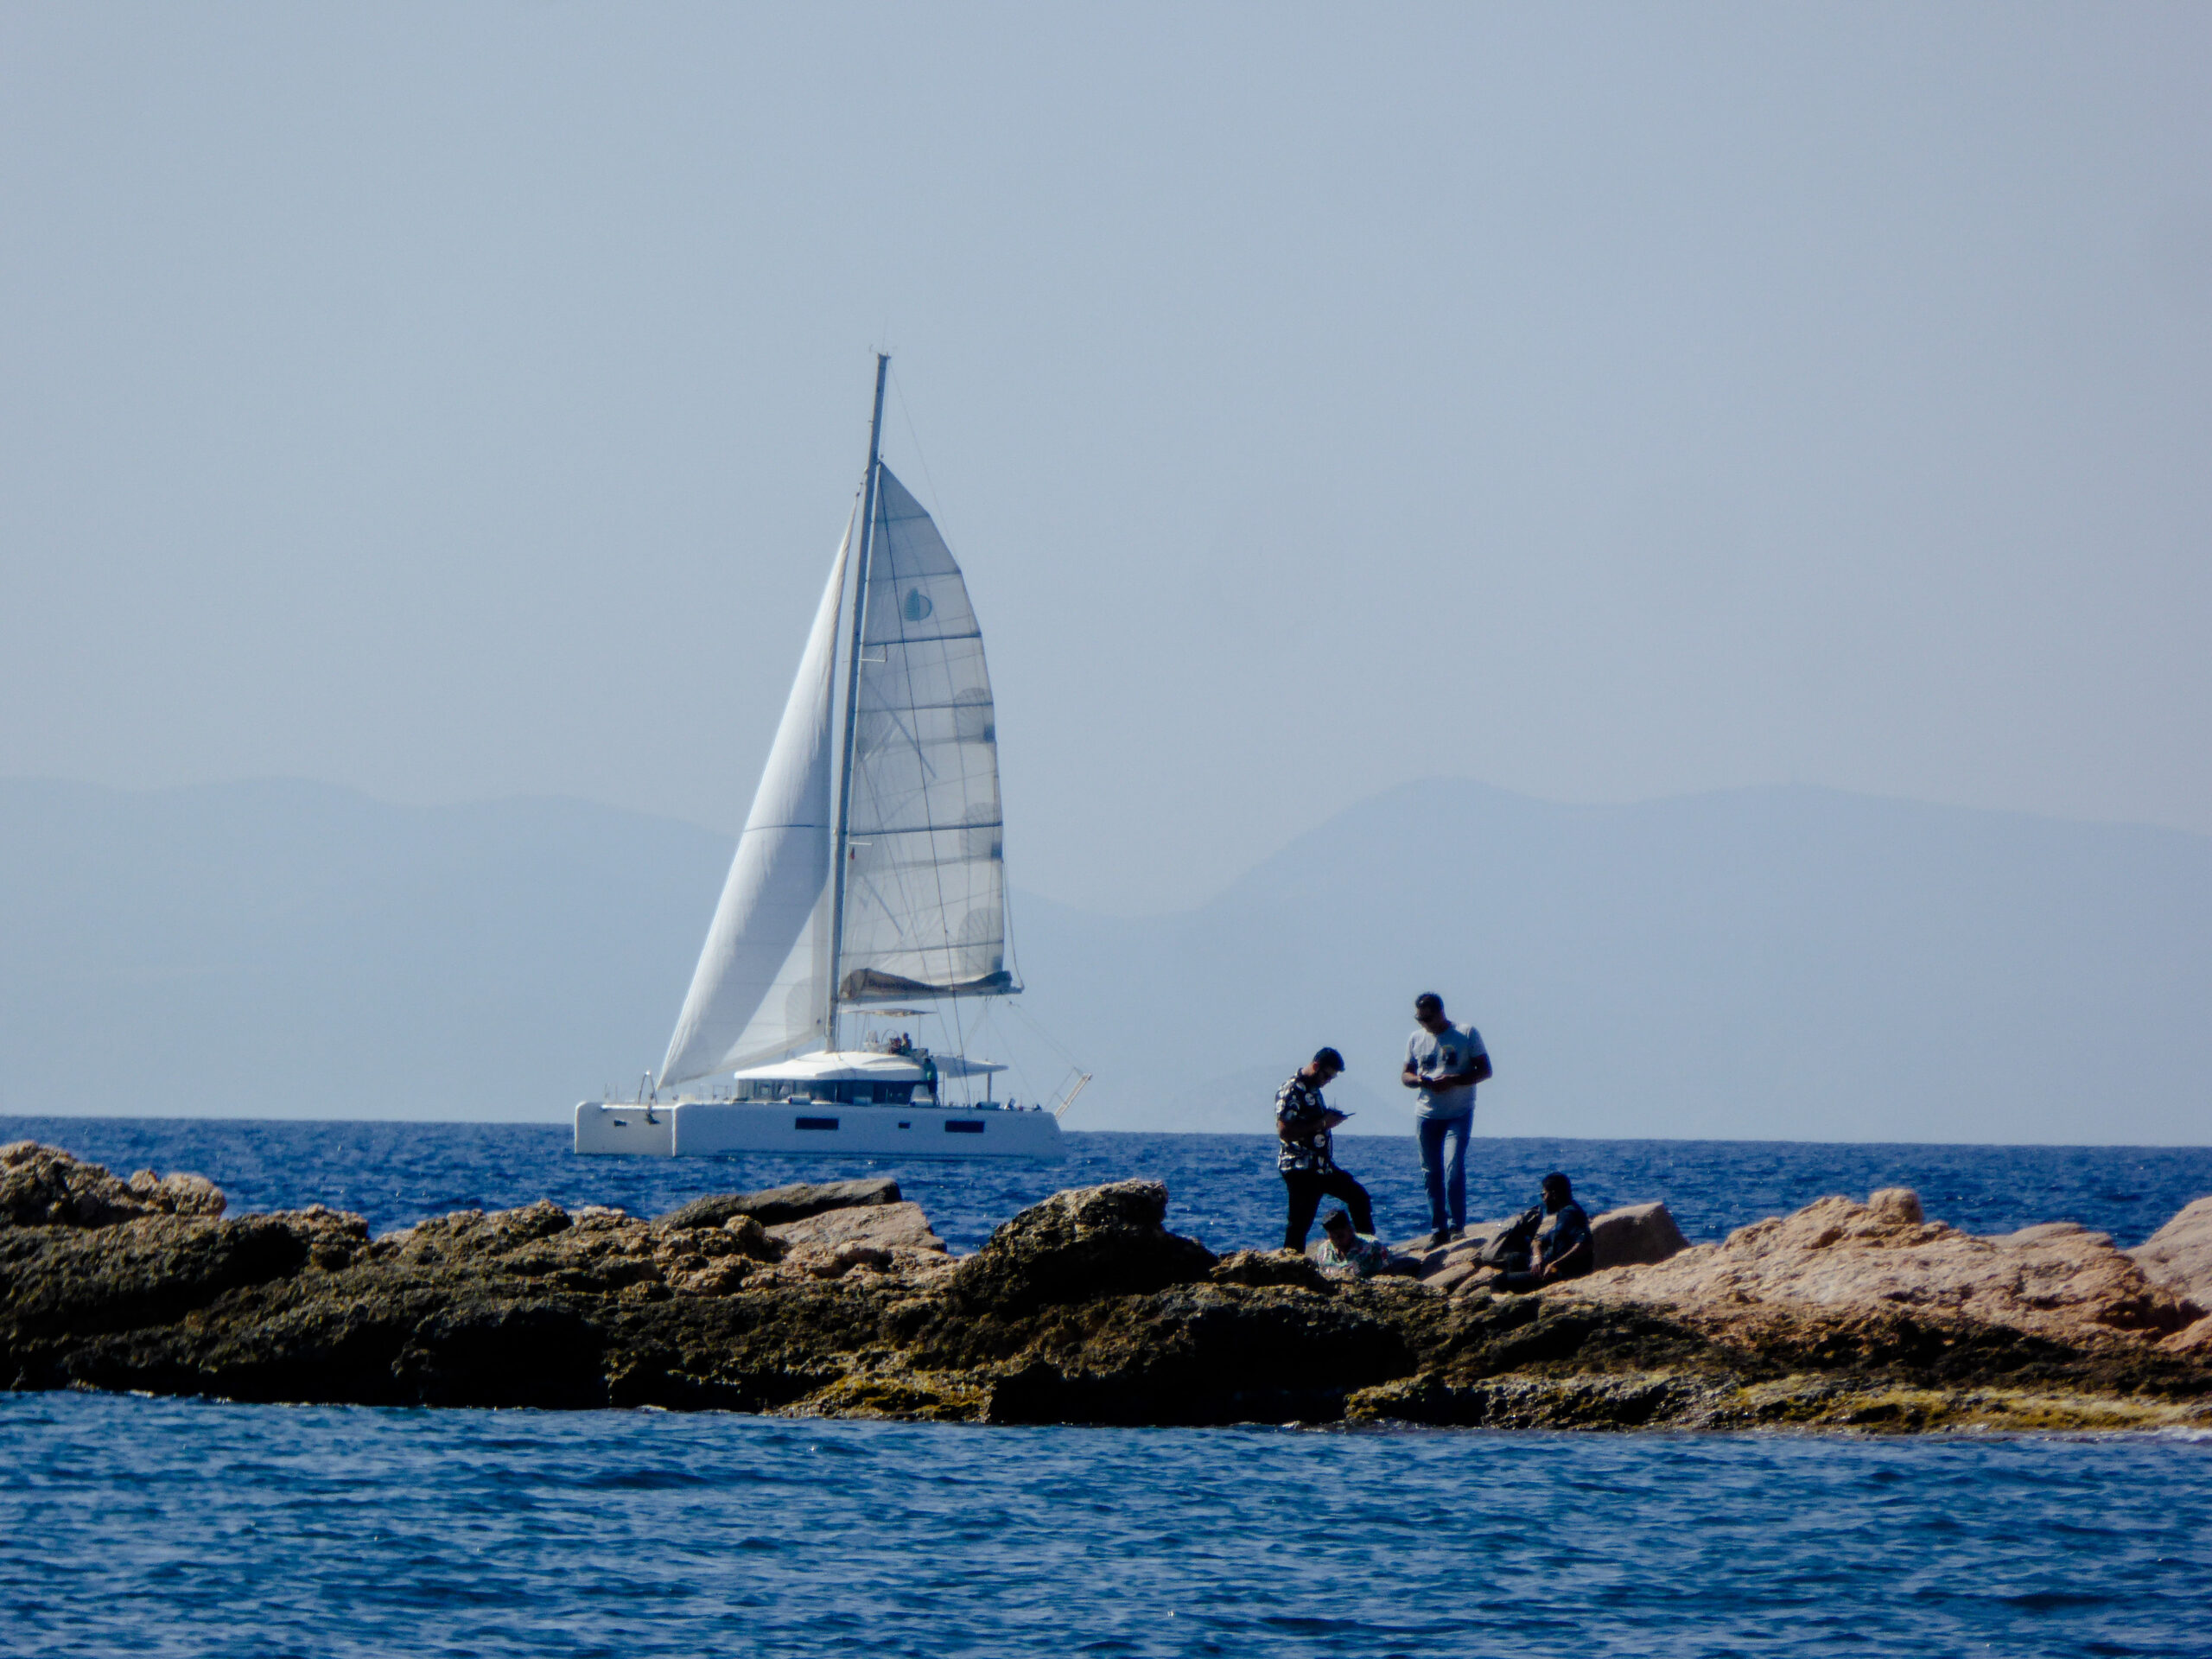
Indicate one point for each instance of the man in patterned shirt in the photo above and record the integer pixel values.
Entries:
(1344, 1252)
(1306, 1157)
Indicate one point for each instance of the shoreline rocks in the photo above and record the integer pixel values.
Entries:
(2056, 1278)
(784, 1203)
(838, 1299)
(2178, 1258)
(42, 1185)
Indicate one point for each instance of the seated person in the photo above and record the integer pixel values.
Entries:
(1342, 1250)
(1559, 1244)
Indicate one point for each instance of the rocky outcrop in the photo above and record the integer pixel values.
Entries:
(1637, 1235)
(1075, 1247)
(1085, 1308)
(2057, 1279)
(893, 1237)
(41, 1185)
(2178, 1258)
(784, 1203)
(1258, 1267)
(825, 1230)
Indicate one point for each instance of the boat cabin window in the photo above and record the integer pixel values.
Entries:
(844, 1093)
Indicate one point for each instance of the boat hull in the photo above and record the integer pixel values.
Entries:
(714, 1128)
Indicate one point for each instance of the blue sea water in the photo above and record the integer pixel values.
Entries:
(143, 1526)
(131, 1526)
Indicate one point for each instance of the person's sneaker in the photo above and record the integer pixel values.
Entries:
(1438, 1240)
(1458, 1233)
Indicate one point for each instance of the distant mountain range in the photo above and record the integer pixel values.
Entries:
(1783, 964)
(275, 947)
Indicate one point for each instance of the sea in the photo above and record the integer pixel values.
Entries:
(133, 1525)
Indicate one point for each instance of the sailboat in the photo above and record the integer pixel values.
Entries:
(870, 878)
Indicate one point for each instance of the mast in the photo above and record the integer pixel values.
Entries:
(838, 855)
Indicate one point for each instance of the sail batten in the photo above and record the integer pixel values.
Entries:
(925, 896)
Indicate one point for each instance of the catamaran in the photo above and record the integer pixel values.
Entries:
(870, 877)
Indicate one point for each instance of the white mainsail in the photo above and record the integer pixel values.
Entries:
(923, 886)
(924, 876)
(757, 992)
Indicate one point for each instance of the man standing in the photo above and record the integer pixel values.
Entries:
(1306, 1156)
(1444, 1062)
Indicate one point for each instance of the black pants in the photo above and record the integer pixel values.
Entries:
(1307, 1191)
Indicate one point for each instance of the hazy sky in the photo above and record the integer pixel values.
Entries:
(456, 402)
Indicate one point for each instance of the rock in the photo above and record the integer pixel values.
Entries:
(1460, 1251)
(836, 1263)
(1257, 1268)
(873, 1235)
(42, 1186)
(1082, 1309)
(1101, 1241)
(1898, 1204)
(781, 1204)
(1602, 1401)
(2057, 1278)
(529, 1352)
(178, 1194)
(1454, 1277)
(1635, 1235)
(752, 1239)
(2191, 1339)
(2179, 1254)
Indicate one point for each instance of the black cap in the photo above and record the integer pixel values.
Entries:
(1428, 999)
(1330, 1057)
(1345, 1215)
(1556, 1179)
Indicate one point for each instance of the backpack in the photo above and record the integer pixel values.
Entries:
(1514, 1244)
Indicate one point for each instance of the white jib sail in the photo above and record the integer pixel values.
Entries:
(926, 882)
(754, 993)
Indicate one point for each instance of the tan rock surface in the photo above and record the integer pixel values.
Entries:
(2191, 1339)
(2179, 1254)
(877, 1236)
(1899, 1205)
(782, 1204)
(44, 1187)
(1458, 1253)
(2057, 1278)
(1451, 1278)
(1278, 1267)
(1635, 1235)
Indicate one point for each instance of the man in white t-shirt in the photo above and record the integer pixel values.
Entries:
(1444, 1062)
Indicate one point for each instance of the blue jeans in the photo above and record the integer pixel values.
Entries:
(1446, 1175)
